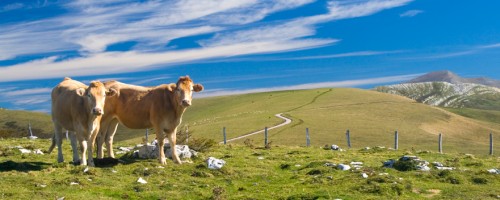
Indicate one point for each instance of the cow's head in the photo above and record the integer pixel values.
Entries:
(95, 96)
(184, 90)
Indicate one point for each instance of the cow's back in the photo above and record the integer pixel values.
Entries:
(134, 105)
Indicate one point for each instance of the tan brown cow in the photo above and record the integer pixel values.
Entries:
(138, 107)
(78, 108)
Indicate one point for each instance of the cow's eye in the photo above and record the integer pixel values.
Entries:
(89, 95)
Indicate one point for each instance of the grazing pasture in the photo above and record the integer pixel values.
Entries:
(279, 172)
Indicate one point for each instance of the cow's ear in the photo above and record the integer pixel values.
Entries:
(197, 87)
(111, 92)
(80, 91)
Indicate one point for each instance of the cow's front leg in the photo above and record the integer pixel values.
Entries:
(160, 137)
(172, 139)
(83, 146)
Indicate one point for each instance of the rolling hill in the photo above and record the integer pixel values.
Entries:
(450, 77)
(372, 117)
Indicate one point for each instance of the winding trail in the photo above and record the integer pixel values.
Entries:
(287, 121)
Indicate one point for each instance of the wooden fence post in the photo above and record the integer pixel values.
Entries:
(396, 140)
(224, 133)
(348, 135)
(147, 140)
(308, 141)
(265, 137)
(491, 143)
(440, 148)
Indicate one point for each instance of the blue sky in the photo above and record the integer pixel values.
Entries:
(240, 46)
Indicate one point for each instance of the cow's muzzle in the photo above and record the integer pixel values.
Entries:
(97, 111)
(186, 103)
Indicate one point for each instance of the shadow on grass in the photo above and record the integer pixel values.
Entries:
(23, 166)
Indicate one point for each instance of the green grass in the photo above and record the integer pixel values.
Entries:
(483, 115)
(285, 172)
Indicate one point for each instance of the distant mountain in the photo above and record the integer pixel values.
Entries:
(450, 77)
(446, 94)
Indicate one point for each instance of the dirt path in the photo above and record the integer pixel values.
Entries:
(287, 121)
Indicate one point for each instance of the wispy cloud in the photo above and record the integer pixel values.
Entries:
(411, 13)
(343, 55)
(457, 53)
(23, 98)
(27, 92)
(93, 26)
(332, 84)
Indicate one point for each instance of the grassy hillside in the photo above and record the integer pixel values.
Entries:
(372, 118)
(250, 173)
(14, 123)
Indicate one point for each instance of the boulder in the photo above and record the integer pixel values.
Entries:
(343, 167)
(214, 163)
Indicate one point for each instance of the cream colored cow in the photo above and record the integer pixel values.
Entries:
(78, 108)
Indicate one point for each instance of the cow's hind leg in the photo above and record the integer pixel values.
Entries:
(58, 140)
(172, 139)
(74, 147)
(109, 137)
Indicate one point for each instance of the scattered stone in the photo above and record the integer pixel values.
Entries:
(445, 168)
(328, 164)
(389, 163)
(32, 137)
(260, 158)
(41, 185)
(438, 164)
(364, 175)
(141, 181)
(89, 179)
(160, 167)
(24, 151)
(383, 174)
(367, 148)
(151, 151)
(38, 151)
(61, 198)
(297, 165)
(329, 177)
(214, 163)
(356, 163)
(114, 171)
(494, 171)
(335, 147)
(86, 170)
(121, 152)
(343, 167)
(126, 149)
(424, 168)
(74, 183)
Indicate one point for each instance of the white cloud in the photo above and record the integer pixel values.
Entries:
(343, 55)
(331, 84)
(411, 13)
(95, 25)
(27, 92)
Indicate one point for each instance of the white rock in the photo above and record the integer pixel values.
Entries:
(39, 152)
(113, 171)
(438, 164)
(61, 198)
(494, 171)
(126, 149)
(160, 167)
(424, 168)
(335, 147)
(297, 165)
(260, 158)
(42, 185)
(121, 152)
(32, 137)
(25, 150)
(445, 168)
(383, 174)
(142, 181)
(364, 175)
(343, 167)
(356, 163)
(214, 163)
(74, 183)
(86, 170)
